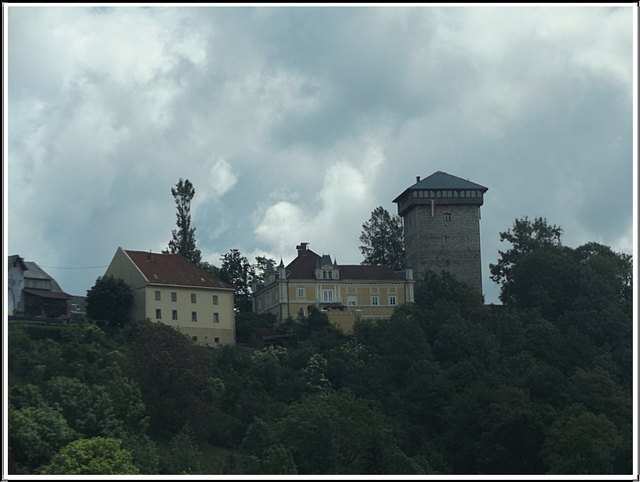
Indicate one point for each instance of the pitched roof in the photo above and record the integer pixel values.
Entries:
(174, 270)
(36, 272)
(304, 266)
(443, 180)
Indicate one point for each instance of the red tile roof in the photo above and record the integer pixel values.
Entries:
(304, 266)
(174, 269)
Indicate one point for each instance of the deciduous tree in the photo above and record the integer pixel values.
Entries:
(99, 455)
(109, 301)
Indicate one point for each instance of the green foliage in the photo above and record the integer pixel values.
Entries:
(247, 322)
(383, 240)
(581, 443)
(109, 302)
(525, 237)
(87, 409)
(170, 371)
(36, 434)
(99, 455)
(235, 269)
(184, 455)
(337, 433)
(183, 240)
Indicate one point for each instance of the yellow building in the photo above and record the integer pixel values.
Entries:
(346, 293)
(168, 288)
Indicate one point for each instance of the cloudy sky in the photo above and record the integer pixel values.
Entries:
(293, 124)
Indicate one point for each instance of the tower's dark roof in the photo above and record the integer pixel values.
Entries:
(442, 180)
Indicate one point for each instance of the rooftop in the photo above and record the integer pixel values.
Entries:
(305, 264)
(443, 180)
(174, 270)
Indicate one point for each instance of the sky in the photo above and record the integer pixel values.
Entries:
(294, 123)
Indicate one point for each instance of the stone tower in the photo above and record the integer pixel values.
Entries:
(441, 217)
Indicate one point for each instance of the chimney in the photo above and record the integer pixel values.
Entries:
(417, 178)
(302, 247)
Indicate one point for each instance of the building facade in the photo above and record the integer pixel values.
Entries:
(441, 218)
(32, 291)
(169, 289)
(346, 293)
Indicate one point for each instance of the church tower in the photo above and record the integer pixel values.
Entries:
(441, 217)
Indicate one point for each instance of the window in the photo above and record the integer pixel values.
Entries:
(352, 300)
(158, 297)
(330, 274)
(159, 314)
(216, 339)
(194, 316)
(300, 292)
(327, 296)
(216, 318)
(174, 314)
(194, 338)
(215, 299)
(392, 300)
(375, 300)
(193, 297)
(174, 296)
(447, 216)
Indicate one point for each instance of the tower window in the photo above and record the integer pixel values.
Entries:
(447, 216)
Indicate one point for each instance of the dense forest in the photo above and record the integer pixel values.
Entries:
(539, 385)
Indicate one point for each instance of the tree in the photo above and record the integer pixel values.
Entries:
(99, 455)
(183, 239)
(236, 270)
(109, 301)
(36, 434)
(171, 372)
(261, 267)
(383, 240)
(581, 443)
(525, 238)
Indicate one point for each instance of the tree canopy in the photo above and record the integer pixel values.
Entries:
(183, 240)
(383, 240)
(109, 301)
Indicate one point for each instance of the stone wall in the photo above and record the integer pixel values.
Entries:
(449, 240)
